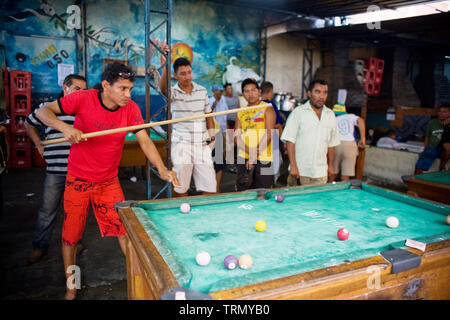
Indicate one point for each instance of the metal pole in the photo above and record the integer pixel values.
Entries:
(167, 11)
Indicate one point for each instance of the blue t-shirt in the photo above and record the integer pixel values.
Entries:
(279, 119)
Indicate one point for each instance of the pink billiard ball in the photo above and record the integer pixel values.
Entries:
(343, 234)
(185, 207)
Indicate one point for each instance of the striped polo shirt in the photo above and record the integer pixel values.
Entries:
(55, 154)
(188, 105)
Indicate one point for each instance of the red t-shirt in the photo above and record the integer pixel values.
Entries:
(97, 159)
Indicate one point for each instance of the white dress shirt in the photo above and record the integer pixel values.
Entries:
(312, 138)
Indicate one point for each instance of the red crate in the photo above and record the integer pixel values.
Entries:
(374, 64)
(18, 123)
(20, 157)
(373, 76)
(372, 88)
(20, 104)
(37, 159)
(20, 81)
(20, 139)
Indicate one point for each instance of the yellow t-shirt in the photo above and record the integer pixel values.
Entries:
(253, 125)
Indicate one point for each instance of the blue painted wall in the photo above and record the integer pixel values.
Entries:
(115, 28)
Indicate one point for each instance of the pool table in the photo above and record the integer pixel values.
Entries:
(299, 255)
(433, 186)
(132, 155)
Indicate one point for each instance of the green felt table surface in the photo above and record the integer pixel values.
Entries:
(438, 177)
(153, 135)
(300, 235)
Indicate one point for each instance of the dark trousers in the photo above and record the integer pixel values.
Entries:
(260, 176)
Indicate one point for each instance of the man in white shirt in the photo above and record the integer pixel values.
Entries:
(347, 152)
(389, 142)
(190, 151)
(311, 134)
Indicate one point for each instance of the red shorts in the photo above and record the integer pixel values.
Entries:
(78, 195)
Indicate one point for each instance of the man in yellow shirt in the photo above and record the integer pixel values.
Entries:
(253, 132)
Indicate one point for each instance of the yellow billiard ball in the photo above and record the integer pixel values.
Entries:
(447, 220)
(260, 226)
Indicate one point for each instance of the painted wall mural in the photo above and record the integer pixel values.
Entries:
(222, 41)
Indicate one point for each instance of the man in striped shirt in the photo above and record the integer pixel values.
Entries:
(56, 157)
(190, 151)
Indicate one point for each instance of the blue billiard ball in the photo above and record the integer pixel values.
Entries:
(230, 262)
(279, 198)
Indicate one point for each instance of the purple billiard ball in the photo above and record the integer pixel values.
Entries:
(279, 198)
(230, 262)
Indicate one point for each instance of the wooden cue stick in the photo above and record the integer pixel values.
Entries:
(152, 124)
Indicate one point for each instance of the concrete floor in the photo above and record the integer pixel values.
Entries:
(103, 266)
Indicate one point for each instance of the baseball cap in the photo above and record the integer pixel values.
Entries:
(339, 109)
(217, 87)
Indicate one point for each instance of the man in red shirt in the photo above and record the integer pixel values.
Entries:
(93, 163)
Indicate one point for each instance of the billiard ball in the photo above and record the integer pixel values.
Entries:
(260, 226)
(279, 198)
(392, 222)
(343, 234)
(230, 262)
(185, 207)
(203, 258)
(245, 261)
(447, 220)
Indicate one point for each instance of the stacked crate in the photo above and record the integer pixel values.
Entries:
(373, 76)
(19, 109)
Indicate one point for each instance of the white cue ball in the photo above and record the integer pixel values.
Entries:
(203, 258)
(392, 222)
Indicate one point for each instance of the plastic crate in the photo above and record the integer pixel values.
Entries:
(20, 157)
(20, 104)
(20, 139)
(20, 81)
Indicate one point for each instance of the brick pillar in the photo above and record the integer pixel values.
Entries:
(403, 92)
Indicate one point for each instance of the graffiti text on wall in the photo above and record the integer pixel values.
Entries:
(50, 53)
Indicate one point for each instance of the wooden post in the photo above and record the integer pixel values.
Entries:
(362, 152)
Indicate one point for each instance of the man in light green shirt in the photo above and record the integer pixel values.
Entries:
(311, 134)
(433, 148)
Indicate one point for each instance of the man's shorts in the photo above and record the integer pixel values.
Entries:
(427, 158)
(260, 176)
(305, 181)
(78, 195)
(345, 158)
(193, 160)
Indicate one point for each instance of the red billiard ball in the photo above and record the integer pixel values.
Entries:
(343, 234)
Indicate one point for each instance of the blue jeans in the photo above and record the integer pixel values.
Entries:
(51, 199)
(427, 158)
